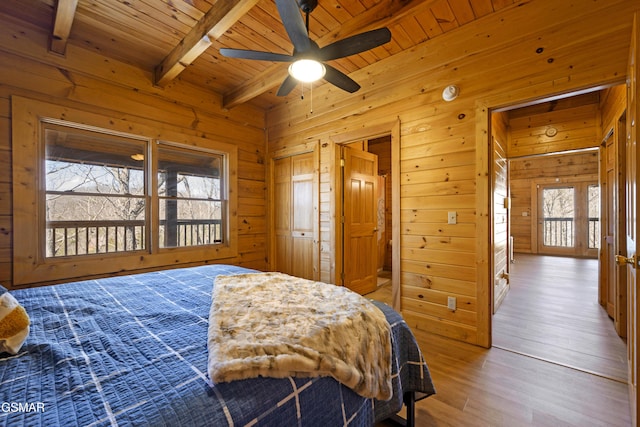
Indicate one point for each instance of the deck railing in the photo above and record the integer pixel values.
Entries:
(560, 232)
(67, 238)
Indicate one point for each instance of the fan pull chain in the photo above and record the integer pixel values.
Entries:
(310, 96)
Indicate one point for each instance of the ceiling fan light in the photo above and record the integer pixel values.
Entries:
(307, 70)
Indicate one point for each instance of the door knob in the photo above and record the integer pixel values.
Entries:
(623, 260)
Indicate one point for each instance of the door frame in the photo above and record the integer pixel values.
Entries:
(484, 108)
(370, 132)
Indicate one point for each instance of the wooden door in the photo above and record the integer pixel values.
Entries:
(293, 215)
(360, 181)
(632, 219)
(620, 316)
(607, 264)
(613, 285)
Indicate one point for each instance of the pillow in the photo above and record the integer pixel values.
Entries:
(14, 323)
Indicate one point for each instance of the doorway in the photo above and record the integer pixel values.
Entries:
(367, 214)
(390, 131)
(560, 219)
(381, 147)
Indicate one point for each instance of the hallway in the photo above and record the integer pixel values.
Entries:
(552, 313)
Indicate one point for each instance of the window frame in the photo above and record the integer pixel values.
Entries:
(31, 266)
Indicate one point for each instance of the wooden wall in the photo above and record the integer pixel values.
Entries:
(532, 50)
(575, 120)
(86, 81)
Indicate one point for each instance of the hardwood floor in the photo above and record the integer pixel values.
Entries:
(498, 387)
(494, 387)
(552, 312)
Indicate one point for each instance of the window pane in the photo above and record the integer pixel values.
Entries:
(100, 179)
(188, 186)
(191, 204)
(72, 207)
(91, 162)
(94, 192)
(189, 174)
(190, 223)
(558, 216)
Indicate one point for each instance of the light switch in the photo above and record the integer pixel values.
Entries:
(453, 218)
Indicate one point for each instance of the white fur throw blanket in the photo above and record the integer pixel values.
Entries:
(276, 325)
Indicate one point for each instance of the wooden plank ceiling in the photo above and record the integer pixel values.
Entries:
(180, 39)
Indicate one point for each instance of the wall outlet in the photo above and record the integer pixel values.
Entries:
(452, 217)
(451, 303)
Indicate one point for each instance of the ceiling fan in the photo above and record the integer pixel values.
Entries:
(306, 52)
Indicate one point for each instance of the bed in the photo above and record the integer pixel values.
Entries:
(132, 350)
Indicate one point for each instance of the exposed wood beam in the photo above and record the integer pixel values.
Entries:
(65, 12)
(381, 15)
(260, 83)
(222, 15)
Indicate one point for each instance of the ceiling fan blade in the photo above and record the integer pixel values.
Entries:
(294, 24)
(355, 44)
(255, 54)
(287, 86)
(339, 79)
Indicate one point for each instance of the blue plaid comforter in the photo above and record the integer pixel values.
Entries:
(132, 350)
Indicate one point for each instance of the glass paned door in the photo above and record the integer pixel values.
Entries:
(558, 217)
(568, 219)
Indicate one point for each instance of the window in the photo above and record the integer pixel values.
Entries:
(190, 197)
(96, 195)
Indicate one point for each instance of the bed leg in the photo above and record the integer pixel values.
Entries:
(410, 403)
(409, 400)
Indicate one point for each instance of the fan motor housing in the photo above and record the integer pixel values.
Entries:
(307, 6)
